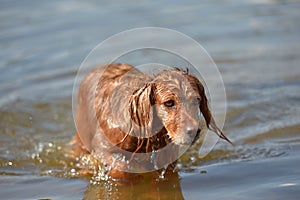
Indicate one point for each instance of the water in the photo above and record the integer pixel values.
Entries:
(255, 45)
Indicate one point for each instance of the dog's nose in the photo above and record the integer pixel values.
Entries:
(191, 130)
(192, 134)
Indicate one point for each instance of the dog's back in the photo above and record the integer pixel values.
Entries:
(102, 80)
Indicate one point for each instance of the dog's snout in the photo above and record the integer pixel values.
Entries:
(191, 130)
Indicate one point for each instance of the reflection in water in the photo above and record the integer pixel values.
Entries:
(148, 188)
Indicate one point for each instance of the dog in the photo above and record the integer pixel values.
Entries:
(131, 120)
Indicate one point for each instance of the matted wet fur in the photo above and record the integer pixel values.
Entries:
(119, 106)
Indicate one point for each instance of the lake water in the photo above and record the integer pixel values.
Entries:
(255, 44)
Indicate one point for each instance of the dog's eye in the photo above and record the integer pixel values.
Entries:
(169, 103)
(196, 101)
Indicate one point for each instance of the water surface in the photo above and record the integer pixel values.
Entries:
(255, 44)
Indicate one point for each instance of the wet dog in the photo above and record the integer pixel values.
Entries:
(133, 122)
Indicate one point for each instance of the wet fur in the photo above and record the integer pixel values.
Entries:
(134, 112)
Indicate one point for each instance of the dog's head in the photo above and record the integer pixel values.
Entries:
(172, 100)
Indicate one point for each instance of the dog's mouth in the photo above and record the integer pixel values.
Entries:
(185, 139)
(197, 136)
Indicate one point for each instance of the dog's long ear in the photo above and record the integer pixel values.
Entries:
(140, 108)
(203, 105)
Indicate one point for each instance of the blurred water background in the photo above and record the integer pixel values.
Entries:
(255, 44)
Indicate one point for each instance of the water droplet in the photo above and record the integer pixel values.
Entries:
(192, 158)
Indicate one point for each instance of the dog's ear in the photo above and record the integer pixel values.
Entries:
(140, 109)
(203, 105)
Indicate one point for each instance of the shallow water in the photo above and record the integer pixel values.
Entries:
(255, 45)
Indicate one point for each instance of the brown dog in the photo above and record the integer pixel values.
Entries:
(133, 122)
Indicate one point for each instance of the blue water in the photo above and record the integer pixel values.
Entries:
(255, 44)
